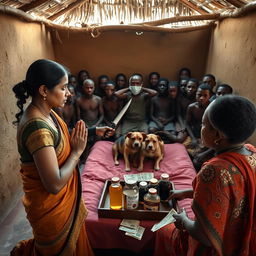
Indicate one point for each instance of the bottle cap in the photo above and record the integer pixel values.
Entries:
(131, 182)
(164, 176)
(115, 179)
(143, 184)
(152, 191)
(153, 181)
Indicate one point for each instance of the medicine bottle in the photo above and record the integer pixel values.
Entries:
(152, 200)
(153, 183)
(164, 187)
(116, 194)
(143, 190)
(131, 195)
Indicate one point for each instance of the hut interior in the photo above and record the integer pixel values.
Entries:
(120, 36)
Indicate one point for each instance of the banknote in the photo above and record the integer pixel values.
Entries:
(130, 230)
(138, 235)
(130, 223)
(142, 176)
(165, 221)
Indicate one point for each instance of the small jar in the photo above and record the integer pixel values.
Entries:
(164, 187)
(153, 183)
(143, 190)
(152, 200)
(116, 194)
(131, 195)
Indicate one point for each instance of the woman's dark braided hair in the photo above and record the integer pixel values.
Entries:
(41, 72)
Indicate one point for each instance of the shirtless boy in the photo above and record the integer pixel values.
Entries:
(162, 109)
(195, 113)
(111, 106)
(89, 106)
(188, 97)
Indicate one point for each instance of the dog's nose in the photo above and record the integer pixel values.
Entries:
(150, 146)
(136, 144)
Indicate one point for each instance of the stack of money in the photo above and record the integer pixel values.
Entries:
(132, 228)
(165, 221)
(142, 176)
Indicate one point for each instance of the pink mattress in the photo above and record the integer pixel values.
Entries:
(104, 233)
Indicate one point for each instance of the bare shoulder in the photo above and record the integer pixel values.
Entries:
(97, 98)
(193, 105)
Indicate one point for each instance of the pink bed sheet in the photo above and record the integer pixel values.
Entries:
(104, 233)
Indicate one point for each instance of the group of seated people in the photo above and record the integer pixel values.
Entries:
(171, 109)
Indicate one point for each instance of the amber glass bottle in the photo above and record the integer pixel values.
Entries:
(116, 194)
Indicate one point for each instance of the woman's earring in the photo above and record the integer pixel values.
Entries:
(216, 142)
(44, 98)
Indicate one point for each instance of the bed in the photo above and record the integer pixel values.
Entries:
(103, 232)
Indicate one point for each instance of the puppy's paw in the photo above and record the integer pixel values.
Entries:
(127, 169)
(156, 168)
(116, 162)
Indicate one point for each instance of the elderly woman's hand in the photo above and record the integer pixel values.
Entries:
(105, 131)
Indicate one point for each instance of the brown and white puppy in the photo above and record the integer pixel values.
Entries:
(153, 147)
(129, 146)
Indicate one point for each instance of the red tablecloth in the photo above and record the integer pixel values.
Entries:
(104, 233)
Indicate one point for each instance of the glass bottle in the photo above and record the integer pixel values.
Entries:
(153, 183)
(152, 200)
(164, 187)
(116, 194)
(131, 195)
(143, 190)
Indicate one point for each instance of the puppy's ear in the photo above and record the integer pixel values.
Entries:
(159, 138)
(128, 135)
(144, 135)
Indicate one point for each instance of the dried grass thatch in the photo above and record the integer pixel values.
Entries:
(96, 16)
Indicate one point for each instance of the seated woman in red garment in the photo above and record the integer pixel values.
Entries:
(223, 191)
(49, 157)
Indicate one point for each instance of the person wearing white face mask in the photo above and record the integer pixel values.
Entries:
(135, 117)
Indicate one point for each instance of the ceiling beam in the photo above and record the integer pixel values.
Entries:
(32, 5)
(192, 6)
(67, 9)
(213, 16)
(236, 3)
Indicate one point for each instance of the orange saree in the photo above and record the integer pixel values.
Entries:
(224, 205)
(57, 220)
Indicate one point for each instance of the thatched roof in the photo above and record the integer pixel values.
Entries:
(159, 14)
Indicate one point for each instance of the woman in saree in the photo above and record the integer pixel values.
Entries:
(223, 191)
(49, 158)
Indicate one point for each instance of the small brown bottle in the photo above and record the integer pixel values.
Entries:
(152, 200)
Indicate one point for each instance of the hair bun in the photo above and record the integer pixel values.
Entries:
(20, 88)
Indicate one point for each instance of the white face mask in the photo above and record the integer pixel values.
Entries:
(135, 89)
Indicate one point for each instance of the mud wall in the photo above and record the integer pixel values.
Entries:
(21, 43)
(232, 55)
(127, 52)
